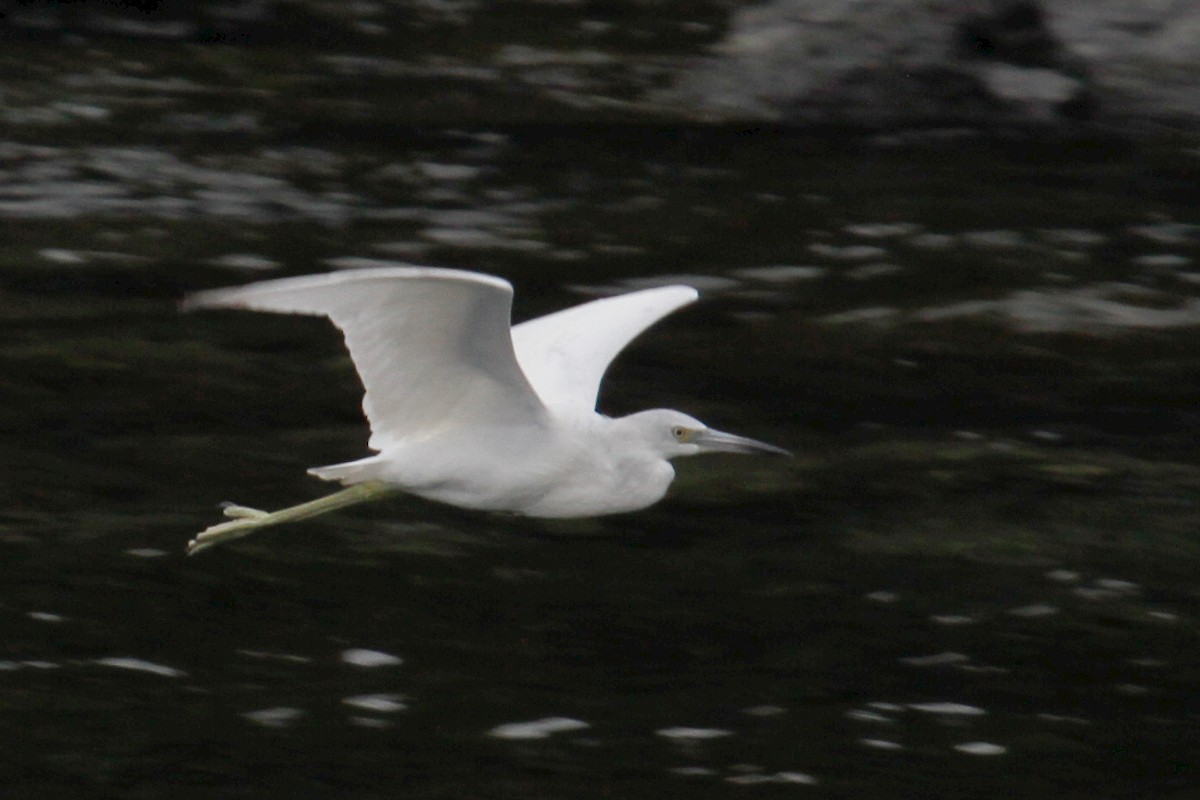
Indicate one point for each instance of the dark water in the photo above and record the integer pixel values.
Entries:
(976, 579)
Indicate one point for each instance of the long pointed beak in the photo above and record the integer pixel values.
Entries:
(715, 441)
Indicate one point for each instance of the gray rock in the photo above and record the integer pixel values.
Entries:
(881, 63)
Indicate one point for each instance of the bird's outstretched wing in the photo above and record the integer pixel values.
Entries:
(565, 354)
(431, 346)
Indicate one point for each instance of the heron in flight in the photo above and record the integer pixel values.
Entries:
(467, 411)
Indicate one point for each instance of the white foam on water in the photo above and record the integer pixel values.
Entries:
(139, 665)
(361, 657)
(981, 748)
(382, 703)
(537, 729)
(277, 717)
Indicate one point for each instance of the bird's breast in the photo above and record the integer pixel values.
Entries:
(595, 487)
(532, 474)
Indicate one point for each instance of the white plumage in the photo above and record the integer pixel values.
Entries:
(465, 410)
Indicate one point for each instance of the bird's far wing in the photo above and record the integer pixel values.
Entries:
(432, 346)
(565, 354)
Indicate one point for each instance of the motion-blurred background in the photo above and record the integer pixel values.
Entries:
(948, 254)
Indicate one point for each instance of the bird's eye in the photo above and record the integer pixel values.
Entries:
(681, 433)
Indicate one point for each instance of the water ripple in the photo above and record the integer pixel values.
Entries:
(360, 657)
(537, 729)
(140, 665)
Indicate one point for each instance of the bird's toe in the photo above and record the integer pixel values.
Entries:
(234, 511)
(236, 528)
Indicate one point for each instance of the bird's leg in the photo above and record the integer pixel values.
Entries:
(245, 521)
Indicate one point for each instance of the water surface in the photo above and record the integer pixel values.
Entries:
(977, 576)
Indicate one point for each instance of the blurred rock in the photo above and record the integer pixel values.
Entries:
(882, 63)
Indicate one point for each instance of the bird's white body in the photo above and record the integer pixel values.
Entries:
(467, 411)
(572, 468)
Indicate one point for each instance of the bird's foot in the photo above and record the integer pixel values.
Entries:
(245, 521)
(234, 511)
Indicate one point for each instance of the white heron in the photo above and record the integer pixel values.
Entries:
(467, 411)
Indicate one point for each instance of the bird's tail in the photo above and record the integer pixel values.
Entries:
(351, 472)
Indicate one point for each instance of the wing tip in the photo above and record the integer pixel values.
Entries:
(230, 297)
(682, 293)
(211, 298)
(244, 296)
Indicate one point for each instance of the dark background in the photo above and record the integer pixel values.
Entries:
(976, 578)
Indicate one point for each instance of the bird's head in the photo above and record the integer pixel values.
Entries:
(673, 433)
